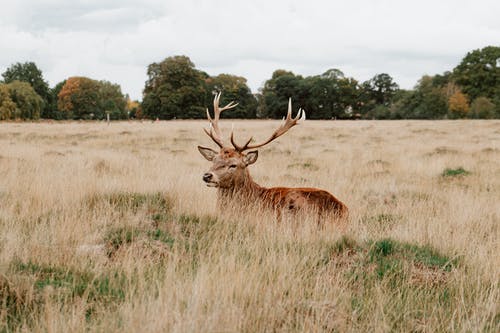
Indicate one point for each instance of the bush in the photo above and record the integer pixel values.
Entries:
(482, 108)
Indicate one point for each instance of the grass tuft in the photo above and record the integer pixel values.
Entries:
(455, 172)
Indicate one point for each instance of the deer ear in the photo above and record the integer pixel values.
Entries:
(251, 157)
(208, 153)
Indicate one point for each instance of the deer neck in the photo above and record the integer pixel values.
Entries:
(244, 188)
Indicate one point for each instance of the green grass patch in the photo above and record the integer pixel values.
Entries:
(193, 225)
(386, 258)
(121, 236)
(388, 252)
(157, 205)
(161, 236)
(414, 275)
(458, 172)
(74, 282)
(117, 237)
(23, 290)
(388, 255)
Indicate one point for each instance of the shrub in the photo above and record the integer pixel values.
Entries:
(483, 108)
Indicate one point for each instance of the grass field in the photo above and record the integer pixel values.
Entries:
(110, 228)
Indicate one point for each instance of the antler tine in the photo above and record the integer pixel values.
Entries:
(289, 113)
(237, 147)
(215, 133)
(289, 122)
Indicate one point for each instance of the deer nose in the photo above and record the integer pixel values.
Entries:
(207, 176)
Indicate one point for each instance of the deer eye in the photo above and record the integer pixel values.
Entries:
(232, 166)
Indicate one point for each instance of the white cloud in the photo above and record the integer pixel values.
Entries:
(117, 40)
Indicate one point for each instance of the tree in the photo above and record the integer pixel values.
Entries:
(79, 99)
(28, 103)
(399, 107)
(458, 105)
(175, 89)
(85, 98)
(450, 89)
(380, 89)
(426, 101)
(7, 106)
(483, 108)
(326, 96)
(331, 95)
(277, 90)
(30, 73)
(56, 113)
(133, 108)
(234, 88)
(479, 73)
(112, 100)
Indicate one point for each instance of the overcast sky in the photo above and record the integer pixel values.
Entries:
(116, 40)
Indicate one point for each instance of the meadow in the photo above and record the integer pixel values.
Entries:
(111, 228)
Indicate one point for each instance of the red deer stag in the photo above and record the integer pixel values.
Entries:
(229, 173)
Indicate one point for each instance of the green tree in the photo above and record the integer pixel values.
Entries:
(28, 102)
(326, 96)
(56, 113)
(30, 73)
(331, 95)
(175, 89)
(380, 89)
(482, 108)
(441, 80)
(234, 88)
(277, 90)
(398, 108)
(112, 100)
(426, 101)
(7, 106)
(479, 73)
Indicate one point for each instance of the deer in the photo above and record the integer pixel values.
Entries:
(230, 175)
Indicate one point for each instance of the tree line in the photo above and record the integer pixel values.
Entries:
(176, 89)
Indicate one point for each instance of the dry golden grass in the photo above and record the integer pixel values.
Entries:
(110, 228)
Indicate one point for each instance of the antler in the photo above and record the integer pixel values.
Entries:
(215, 132)
(289, 123)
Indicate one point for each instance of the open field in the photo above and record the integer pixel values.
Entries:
(110, 228)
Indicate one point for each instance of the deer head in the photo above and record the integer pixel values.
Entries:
(229, 165)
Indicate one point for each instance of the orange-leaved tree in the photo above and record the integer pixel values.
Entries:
(458, 105)
(78, 99)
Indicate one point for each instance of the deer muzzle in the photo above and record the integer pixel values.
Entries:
(207, 177)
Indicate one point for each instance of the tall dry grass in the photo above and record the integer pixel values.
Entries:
(110, 228)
